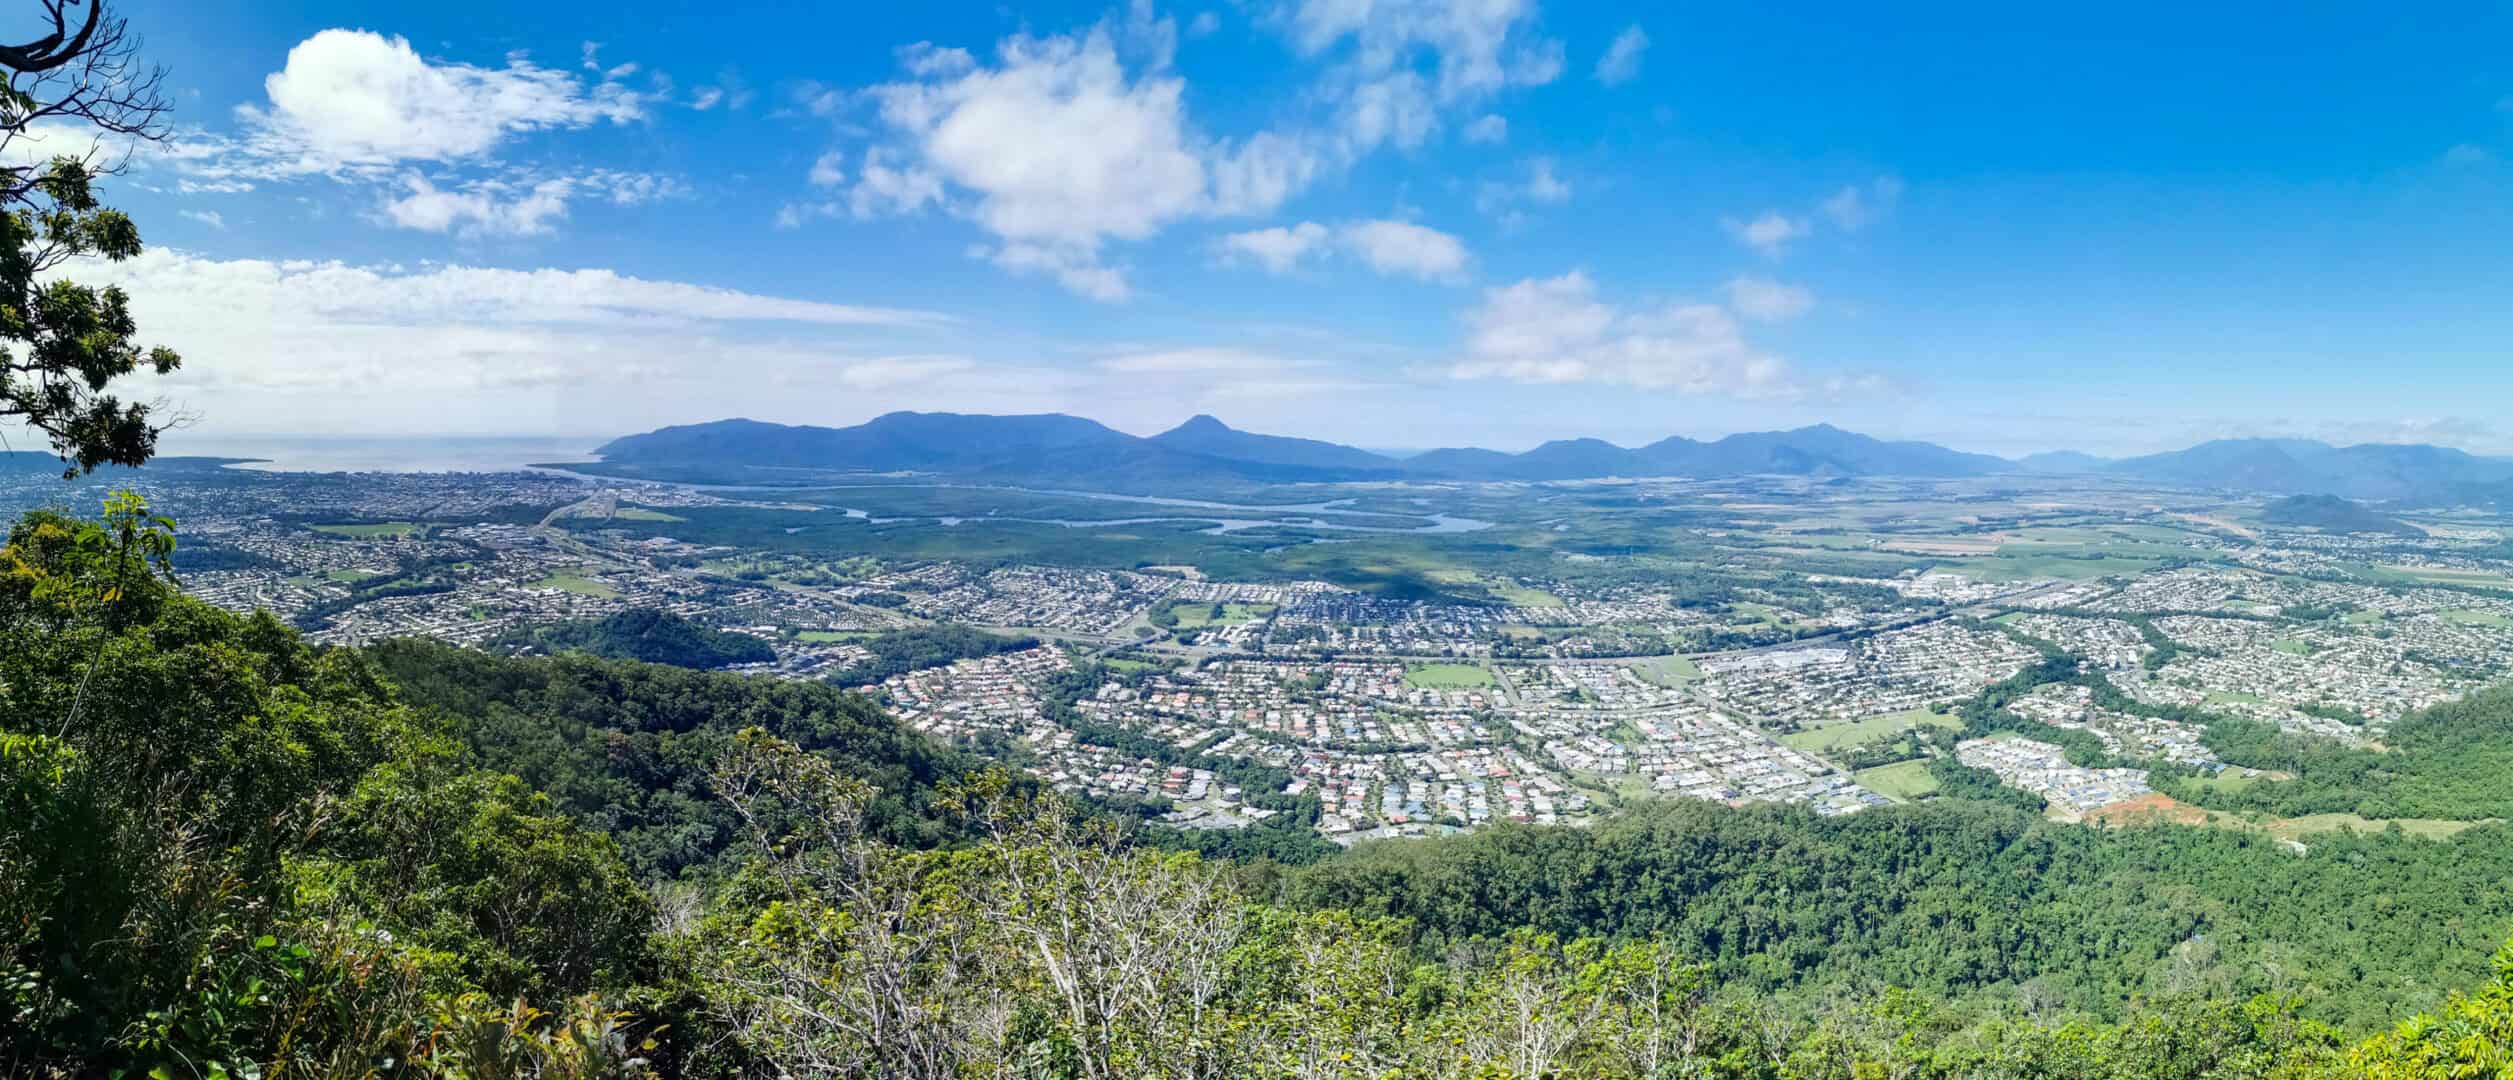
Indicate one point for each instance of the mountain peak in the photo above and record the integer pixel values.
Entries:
(1203, 424)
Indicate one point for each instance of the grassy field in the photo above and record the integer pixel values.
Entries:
(2475, 617)
(1448, 676)
(1198, 614)
(375, 530)
(1835, 736)
(1669, 671)
(828, 637)
(639, 513)
(2020, 563)
(2443, 576)
(578, 584)
(2297, 646)
(1901, 781)
(348, 577)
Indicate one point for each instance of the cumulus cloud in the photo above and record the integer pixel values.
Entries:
(1064, 146)
(1501, 199)
(1770, 233)
(1278, 249)
(1385, 246)
(1621, 62)
(353, 98)
(520, 206)
(1556, 330)
(1395, 65)
(1855, 207)
(211, 218)
(1765, 300)
(1060, 147)
(1399, 247)
(485, 207)
(1488, 128)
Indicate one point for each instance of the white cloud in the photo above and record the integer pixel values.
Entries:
(1398, 247)
(1278, 249)
(519, 206)
(1555, 330)
(1765, 300)
(290, 346)
(1854, 208)
(1387, 247)
(2465, 154)
(353, 98)
(1500, 199)
(211, 218)
(1077, 270)
(1399, 63)
(826, 170)
(1621, 62)
(1061, 148)
(1771, 233)
(1204, 25)
(482, 208)
(1488, 128)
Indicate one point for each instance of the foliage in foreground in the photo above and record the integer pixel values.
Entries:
(225, 853)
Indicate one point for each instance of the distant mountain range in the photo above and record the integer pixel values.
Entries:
(1070, 450)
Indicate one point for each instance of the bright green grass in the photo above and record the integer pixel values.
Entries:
(828, 637)
(578, 584)
(348, 577)
(2297, 646)
(1836, 736)
(1448, 676)
(374, 530)
(1669, 671)
(1514, 593)
(2023, 566)
(2360, 618)
(2475, 617)
(1198, 614)
(639, 513)
(1901, 781)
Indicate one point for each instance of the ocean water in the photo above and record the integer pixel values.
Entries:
(402, 453)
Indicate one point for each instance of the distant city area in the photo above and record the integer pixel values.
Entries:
(1552, 650)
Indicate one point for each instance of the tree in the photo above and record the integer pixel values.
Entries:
(62, 344)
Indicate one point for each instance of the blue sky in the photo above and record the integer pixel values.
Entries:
(1389, 222)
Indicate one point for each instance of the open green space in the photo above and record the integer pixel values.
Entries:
(1448, 676)
(2295, 646)
(828, 637)
(578, 584)
(1199, 614)
(1901, 781)
(639, 513)
(348, 577)
(1669, 671)
(2476, 617)
(1836, 736)
(2020, 563)
(374, 530)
